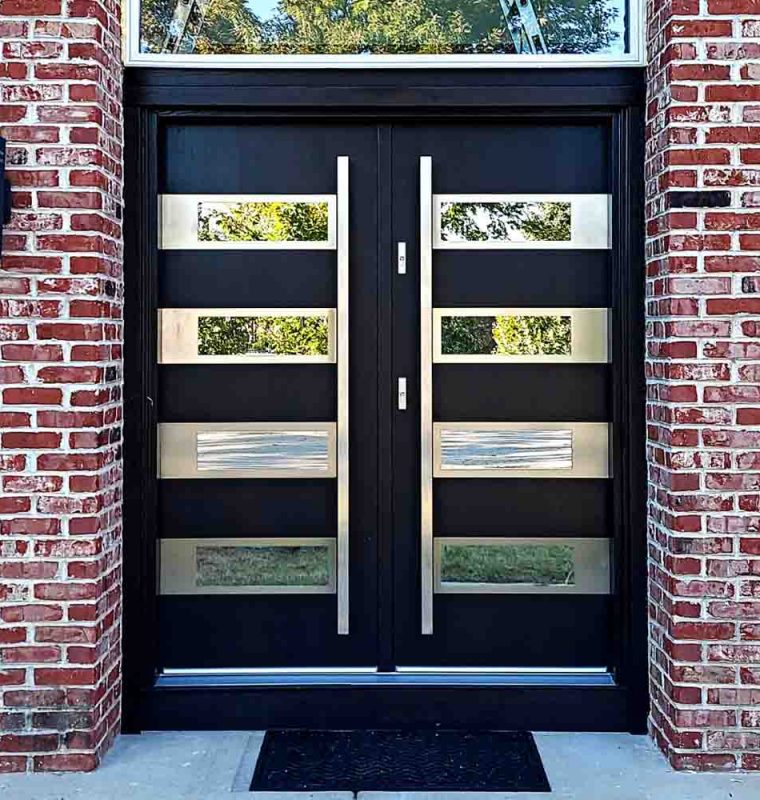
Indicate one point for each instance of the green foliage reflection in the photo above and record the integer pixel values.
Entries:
(263, 222)
(282, 336)
(506, 222)
(507, 335)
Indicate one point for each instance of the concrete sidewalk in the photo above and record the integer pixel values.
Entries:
(219, 766)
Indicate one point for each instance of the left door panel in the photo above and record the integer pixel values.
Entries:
(266, 325)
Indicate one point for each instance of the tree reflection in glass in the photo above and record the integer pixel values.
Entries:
(366, 27)
(263, 222)
(506, 222)
(252, 336)
(512, 335)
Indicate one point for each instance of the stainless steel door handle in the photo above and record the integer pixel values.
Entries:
(426, 393)
(343, 549)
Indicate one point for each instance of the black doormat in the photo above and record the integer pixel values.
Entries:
(398, 761)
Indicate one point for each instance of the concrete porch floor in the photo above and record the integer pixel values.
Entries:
(219, 766)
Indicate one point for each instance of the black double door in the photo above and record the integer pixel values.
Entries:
(385, 418)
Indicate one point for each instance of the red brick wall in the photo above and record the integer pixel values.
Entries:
(703, 364)
(60, 373)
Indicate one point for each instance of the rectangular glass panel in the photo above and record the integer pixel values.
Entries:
(377, 27)
(273, 565)
(247, 221)
(510, 335)
(297, 450)
(537, 564)
(522, 566)
(515, 222)
(273, 221)
(463, 449)
(263, 336)
(247, 566)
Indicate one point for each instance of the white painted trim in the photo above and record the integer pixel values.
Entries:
(134, 58)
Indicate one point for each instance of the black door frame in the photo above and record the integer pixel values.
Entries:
(154, 96)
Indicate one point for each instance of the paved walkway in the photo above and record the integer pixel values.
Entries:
(219, 766)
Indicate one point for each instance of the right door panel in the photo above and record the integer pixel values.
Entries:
(504, 475)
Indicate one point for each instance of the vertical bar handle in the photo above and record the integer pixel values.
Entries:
(426, 393)
(343, 549)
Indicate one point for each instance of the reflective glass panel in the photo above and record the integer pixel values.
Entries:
(537, 564)
(506, 335)
(263, 335)
(274, 221)
(506, 222)
(265, 450)
(375, 27)
(463, 449)
(271, 565)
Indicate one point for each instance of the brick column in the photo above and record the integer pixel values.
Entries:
(703, 365)
(60, 370)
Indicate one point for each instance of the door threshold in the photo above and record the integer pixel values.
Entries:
(368, 677)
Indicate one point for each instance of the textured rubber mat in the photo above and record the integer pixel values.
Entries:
(455, 761)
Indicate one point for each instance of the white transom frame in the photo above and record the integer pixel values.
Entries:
(635, 57)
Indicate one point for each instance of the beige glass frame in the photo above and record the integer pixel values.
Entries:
(178, 335)
(589, 329)
(591, 559)
(590, 221)
(178, 221)
(178, 566)
(177, 449)
(590, 450)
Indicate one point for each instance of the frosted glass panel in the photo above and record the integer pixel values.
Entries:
(521, 450)
(263, 450)
(463, 449)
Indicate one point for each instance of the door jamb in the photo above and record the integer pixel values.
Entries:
(142, 124)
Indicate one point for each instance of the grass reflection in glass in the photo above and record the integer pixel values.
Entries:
(252, 336)
(506, 222)
(263, 566)
(512, 335)
(537, 564)
(274, 221)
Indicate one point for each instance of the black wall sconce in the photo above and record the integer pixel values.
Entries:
(5, 194)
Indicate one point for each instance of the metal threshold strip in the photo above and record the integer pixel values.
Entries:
(368, 677)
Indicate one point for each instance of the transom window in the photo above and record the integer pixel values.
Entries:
(385, 32)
